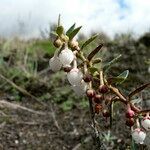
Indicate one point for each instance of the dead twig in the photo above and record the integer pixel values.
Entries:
(23, 91)
(54, 119)
(5, 104)
(32, 123)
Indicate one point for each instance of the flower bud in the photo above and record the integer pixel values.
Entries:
(106, 113)
(73, 44)
(64, 38)
(130, 122)
(55, 64)
(57, 43)
(130, 113)
(80, 89)
(87, 78)
(66, 57)
(98, 98)
(103, 89)
(98, 107)
(146, 123)
(90, 93)
(138, 136)
(75, 76)
(77, 48)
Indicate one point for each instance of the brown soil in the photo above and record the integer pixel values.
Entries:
(50, 128)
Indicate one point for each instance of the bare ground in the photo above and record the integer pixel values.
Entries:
(29, 126)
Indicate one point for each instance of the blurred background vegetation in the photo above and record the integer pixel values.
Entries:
(26, 63)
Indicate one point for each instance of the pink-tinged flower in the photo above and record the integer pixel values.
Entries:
(66, 57)
(130, 113)
(90, 93)
(103, 89)
(55, 64)
(80, 89)
(138, 136)
(130, 122)
(75, 76)
(146, 123)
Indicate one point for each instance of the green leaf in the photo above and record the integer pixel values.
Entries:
(54, 33)
(96, 60)
(122, 77)
(60, 30)
(59, 20)
(138, 90)
(119, 79)
(137, 100)
(109, 64)
(89, 41)
(93, 70)
(96, 73)
(70, 29)
(94, 52)
(74, 32)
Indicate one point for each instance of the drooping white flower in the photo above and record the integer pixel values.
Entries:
(138, 136)
(66, 57)
(54, 62)
(75, 76)
(146, 123)
(80, 89)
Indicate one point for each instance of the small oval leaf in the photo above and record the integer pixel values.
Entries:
(123, 76)
(89, 41)
(138, 90)
(54, 33)
(74, 32)
(70, 29)
(109, 64)
(136, 101)
(93, 70)
(96, 60)
(59, 19)
(60, 30)
(94, 52)
(119, 79)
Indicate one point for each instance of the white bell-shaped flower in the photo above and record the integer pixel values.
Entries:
(138, 136)
(66, 57)
(75, 76)
(80, 89)
(55, 64)
(146, 123)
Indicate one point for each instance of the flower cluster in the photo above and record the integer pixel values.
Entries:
(88, 80)
(139, 134)
(66, 58)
